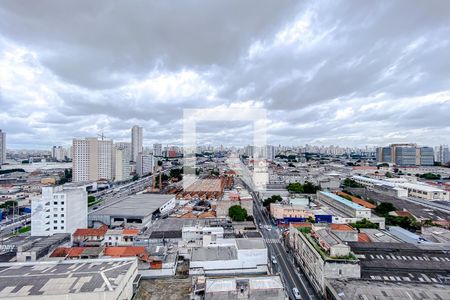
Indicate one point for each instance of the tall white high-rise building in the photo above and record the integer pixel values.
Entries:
(137, 134)
(59, 209)
(270, 152)
(121, 162)
(91, 159)
(442, 154)
(58, 153)
(145, 164)
(2, 147)
(157, 149)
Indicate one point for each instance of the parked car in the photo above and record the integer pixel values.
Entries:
(296, 294)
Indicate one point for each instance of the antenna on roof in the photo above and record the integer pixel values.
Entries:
(102, 136)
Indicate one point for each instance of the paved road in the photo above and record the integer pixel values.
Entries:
(291, 276)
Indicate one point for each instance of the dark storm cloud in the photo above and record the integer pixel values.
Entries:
(342, 72)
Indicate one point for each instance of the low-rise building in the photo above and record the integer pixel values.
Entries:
(405, 189)
(322, 255)
(252, 288)
(89, 236)
(230, 256)
(120, 237)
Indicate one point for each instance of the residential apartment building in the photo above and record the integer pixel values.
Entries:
(270, 152)
(442, 154)
(2, 147)
(136, 141)
(59, 209)
(121, 163)
(58, 153)
(157, 150)
(406, 155)
(145, 164)
(91, 159)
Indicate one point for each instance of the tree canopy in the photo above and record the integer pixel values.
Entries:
(272, 199)
(307, 188)
(351, 183)
(237, 213)
(384, 208)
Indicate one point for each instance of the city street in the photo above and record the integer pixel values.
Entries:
(284, 265)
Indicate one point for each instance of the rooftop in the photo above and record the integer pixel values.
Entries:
(215, 253)
(139, 206)
(365, 289)
(343, 201)
(62, 277)
(252, 243)
(231, 284)
(358, 200)
(91, 231)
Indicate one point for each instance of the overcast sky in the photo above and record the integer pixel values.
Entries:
(327, 72)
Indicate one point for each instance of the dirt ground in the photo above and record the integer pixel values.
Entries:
(164, 289)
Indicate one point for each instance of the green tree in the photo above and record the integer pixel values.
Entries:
(364, 223)
(307, 188)
(388, 175)
(272, 199)
(295, 187)
(430, 176)
(237, 213)
(348, 182)
(384, 208)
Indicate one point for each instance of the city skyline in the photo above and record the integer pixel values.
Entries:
(336, 73)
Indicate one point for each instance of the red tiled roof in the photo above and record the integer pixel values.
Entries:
(91, 231)
(358, 200)
(363, 238)
(125, 251)
(59, 252)
(75, 251)
(341, 227)
(402, 213)
(67, 251)
(130, 231)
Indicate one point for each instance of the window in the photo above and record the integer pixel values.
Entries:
(62, 208)
(55, 227)
(55, 215)
(55, 221)
(62, 221)
(55, 202)
(62, 227)
(62, 215)
(62, 202)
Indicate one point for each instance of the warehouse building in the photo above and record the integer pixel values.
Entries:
(136, 210)
(230, 256)
(406, 189)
